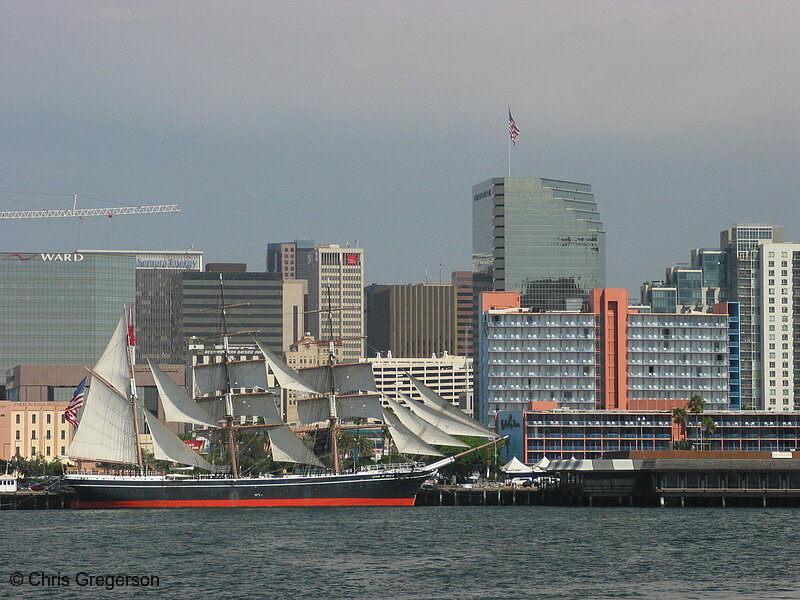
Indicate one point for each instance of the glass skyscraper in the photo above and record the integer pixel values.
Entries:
(60, 308)
(540, 237)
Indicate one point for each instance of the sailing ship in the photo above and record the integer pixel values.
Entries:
(235, 387)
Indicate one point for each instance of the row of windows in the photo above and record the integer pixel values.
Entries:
(47, 436)
(47, 449)
(48, 418)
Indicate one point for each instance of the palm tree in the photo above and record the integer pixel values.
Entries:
(709, 426)
(696, 405)
(679, 418)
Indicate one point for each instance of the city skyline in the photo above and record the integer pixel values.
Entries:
(682, 116)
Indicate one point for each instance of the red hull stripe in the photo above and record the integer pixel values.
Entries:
(246, 503)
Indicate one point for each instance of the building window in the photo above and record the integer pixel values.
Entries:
(19, 435)
(33, 435)
(33, 418)
(18, 419)
(48, 418)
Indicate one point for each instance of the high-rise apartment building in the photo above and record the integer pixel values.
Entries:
(540, 237)
(778, 285)
(336, 297)
(742, 246)
(755, 268)
(606, 357)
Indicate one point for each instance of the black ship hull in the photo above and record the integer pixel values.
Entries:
(356, 489)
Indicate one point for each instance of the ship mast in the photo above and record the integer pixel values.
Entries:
(134, 399)
(228, 392)
(333, 418)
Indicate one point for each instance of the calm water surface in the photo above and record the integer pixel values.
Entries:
(420, 552)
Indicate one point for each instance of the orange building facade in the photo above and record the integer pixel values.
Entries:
(34, 429)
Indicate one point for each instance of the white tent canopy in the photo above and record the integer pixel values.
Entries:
(515, 465)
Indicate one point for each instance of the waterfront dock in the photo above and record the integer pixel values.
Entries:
(34, 500)
(454, 495)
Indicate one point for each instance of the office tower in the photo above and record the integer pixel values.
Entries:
(540, 237)
(60, 308)
(449, 376)
(262, 297)
(290, 259)
(413, 321)
(465, 312)
(336, 297)
(158, 301)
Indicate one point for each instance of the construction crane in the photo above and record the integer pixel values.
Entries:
(88, 212)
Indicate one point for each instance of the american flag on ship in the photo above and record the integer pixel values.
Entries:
(513, 130)
(71, 412)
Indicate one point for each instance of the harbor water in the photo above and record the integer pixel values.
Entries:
(404, 553)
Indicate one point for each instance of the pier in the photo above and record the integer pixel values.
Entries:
(453, 495)
(34, 500)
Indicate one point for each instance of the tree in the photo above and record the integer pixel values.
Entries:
(696, 405)
(34, 467)
(679, 418)
(476, 461)
(356, 449)
(709, 427)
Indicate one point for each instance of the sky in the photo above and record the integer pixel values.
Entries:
(369, 122)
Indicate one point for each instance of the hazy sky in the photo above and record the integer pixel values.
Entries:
(337, 121)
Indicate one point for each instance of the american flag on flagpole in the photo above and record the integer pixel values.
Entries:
(71, 412)
(513, 130)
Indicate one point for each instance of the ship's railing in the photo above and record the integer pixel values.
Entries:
(406, 466)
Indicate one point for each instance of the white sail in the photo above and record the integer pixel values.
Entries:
(113, 365)
(405, 440)
(210, 378)
(443, 421)
(287, 377)
(421, 428)
(436, 402)
(313, 410)
(106, 431)
(287, 447)
(168, 446)
(178, 406)
(317, 410)
(244, 405)
(347, 377)
(363, 406)
(257, 405)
